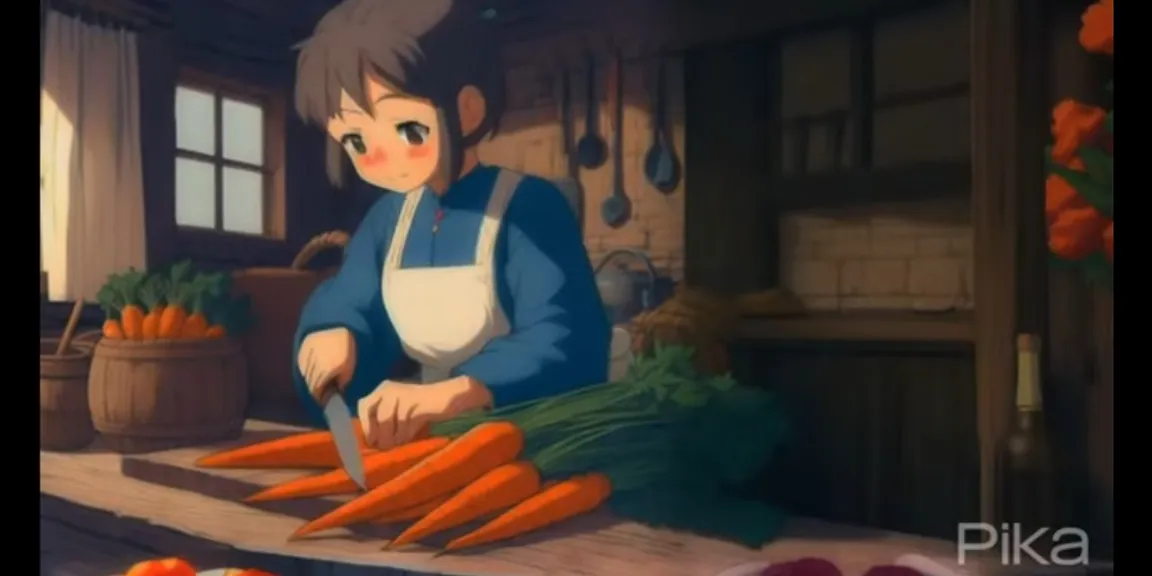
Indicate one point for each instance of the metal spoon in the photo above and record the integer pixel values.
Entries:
(591, 150)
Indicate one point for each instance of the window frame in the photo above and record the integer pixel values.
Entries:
(272, 170)
(861, 182)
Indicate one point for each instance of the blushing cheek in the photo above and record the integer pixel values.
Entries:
(419, 152)
(374, 158)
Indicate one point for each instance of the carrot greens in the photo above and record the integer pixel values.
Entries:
(675, 444)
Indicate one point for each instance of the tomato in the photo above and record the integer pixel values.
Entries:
(162, 567)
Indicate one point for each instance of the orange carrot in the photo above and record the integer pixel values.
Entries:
(196, 326)
(150, 328)
(562, 501)
(132, 320)
(467, 458)
(412, 512)
(304, 450)
(500, 488)
(152, 296)
(174, 315)
(379, 468)
(165, 567)
(172, 321)
(111, 330)
(215, 331)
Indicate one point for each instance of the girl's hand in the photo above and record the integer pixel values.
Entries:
(327, 356)
(396, 413)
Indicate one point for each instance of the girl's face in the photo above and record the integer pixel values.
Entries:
(396, 144)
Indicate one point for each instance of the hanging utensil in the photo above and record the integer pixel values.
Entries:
(70, 328)
(570, 184)
(591, 150)
(661, 166)
(617, 208)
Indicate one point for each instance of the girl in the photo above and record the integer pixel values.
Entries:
(477, 273)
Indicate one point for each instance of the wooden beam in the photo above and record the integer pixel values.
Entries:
(1003, 154)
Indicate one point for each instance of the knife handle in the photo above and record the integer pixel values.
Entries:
(324, 392)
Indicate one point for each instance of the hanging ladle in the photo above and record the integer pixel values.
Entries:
(617, 208)
(661, 167)
(591, 151)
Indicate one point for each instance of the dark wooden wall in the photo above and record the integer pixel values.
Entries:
(882, 434)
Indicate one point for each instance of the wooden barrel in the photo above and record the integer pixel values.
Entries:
(65, 422)
(278, 295)
(147, 396)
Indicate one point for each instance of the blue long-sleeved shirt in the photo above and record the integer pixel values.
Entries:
(560, 333)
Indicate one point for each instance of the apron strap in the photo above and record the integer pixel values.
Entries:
(403, 224)
(506, 183)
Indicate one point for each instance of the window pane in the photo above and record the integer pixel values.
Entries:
(243, 132)
(243, 201)
(923, 50)
(195, 120)
(195, 193)
(935, 131)
(815, 74)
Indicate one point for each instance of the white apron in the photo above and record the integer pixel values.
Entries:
(446, 315)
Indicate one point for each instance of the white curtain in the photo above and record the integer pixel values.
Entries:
(91, 188)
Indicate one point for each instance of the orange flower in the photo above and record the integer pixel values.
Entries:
(1076, 233)
(1108, 241)
(1059, 196)
(164, 567)
(1096, 32)
(1073, 125)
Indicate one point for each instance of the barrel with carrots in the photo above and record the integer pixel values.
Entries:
(169, 370)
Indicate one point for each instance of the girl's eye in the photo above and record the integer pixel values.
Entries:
(412, 133)
(354, 143)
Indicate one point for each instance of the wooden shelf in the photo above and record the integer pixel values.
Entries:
(874, 186)
(947, 327)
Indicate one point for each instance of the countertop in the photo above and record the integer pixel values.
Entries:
(596, 544)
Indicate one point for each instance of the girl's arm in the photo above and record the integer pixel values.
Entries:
(351, 300)
(560, 331)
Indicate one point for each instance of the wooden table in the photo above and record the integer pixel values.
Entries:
(163, 502)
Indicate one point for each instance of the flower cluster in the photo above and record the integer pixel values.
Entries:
(1078, 199)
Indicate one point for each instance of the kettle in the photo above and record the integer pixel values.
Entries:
(617, 285)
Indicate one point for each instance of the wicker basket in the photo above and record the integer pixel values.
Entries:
(278, 295)
(692, 318)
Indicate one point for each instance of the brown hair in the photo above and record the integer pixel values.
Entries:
(427, 48)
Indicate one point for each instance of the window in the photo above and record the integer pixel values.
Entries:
(227, 158)
(875, 111)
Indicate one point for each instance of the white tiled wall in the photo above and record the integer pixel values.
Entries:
(909, 256)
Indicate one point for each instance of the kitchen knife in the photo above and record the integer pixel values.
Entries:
(342, 426)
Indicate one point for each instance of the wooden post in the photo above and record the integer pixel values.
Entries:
(1007, 171)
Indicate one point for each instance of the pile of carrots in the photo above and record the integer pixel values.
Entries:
(175, 304)
(1079, 189)
(180, 567)
(523, 468)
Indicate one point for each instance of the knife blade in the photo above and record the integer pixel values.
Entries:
(340, 422)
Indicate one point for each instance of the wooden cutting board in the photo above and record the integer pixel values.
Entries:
(177, 469)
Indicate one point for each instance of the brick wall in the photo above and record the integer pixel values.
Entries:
(899, 257)
(530, 141)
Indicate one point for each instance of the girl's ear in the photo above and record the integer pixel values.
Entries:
(472, 107)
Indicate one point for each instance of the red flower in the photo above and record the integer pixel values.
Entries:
(1096, 31)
